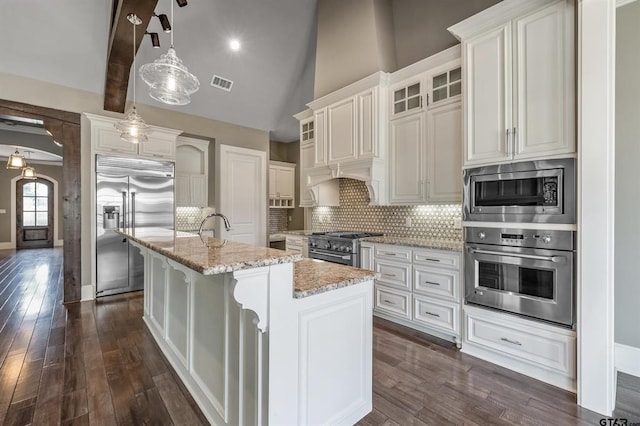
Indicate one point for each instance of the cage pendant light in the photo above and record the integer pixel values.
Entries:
(16, 161)
(169, 81)
(133, 128)
(28, 172)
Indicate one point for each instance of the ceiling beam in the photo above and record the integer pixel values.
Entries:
(120, 59)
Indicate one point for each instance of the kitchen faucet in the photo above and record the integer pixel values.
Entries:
(227, 226)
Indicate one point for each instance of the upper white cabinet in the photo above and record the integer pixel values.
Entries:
(342, 131)
(281, 184)
(518, 61)
(444, 153)
(406, 96)
(407, 155)
(192, 171)
(105, 139)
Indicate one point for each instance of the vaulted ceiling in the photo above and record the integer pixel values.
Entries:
(66, 42)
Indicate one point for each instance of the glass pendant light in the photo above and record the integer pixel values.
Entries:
(133, 128)
(170, 82)
(16, 161)
(27, 171)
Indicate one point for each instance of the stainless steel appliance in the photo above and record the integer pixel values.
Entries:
(130, 193)
(542, 191)
(338, 247)
(523, 271)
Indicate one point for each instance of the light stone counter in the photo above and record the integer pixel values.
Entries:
(317, 276)
(188, 250)
(456, 246)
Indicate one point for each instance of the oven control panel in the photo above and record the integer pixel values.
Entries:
(536, 238)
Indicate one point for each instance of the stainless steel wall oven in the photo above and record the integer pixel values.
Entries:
(526, 272)
(540, 191)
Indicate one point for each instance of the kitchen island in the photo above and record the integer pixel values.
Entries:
(257, 335)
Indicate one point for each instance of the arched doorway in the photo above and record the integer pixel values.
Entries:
(34, 213)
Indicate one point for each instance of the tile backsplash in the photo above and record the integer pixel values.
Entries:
(278, 220)
(188, 218)
(355, 214)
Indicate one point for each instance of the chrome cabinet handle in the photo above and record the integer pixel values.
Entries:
(513, 141)
(513, 342)
(431, 283)
(427, 259)
(388, 301)
(432, 314)
(554, 259)
(388, 254)
(389, 275)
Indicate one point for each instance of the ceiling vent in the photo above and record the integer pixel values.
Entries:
(221, 83)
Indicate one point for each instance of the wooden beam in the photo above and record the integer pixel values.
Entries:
(120, 59)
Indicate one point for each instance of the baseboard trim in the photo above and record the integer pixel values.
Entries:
(58, 243)
(627, 359)
(86, 293)
(7, 246)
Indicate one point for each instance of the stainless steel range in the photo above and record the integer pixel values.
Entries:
(338, 247)
(523, 271)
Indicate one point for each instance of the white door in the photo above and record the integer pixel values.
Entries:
(242, 194)
(488, 69)
(544, 94)
(444, 142)
(407, 160)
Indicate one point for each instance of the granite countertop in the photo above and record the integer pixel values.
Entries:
(189, 250)
(418, 242)
(316, 276)
(281, 235)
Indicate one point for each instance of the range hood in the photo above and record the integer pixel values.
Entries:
(371, 171)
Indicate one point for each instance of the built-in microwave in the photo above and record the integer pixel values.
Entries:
(542, 191)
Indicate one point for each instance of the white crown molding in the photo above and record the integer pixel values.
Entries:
(449, 55)
(373, 80)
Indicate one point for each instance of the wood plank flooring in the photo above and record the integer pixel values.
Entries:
(96, 364)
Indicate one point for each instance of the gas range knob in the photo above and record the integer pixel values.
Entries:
(546, 239)
(482, 235)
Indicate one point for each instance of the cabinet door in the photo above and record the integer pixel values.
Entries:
(341, 131)
(307, 158)
(285, 183)
(544, 82)
(307, 131)
(199, 196)
(444, 141)
(407, 160)
(107, 139)
(273, 178)
(366, 256)
(368, 138)
(406, 97)
(183, 190)
(321, 140)
(158, 146)
(488, 96)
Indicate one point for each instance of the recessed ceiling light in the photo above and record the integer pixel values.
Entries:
(234, 44)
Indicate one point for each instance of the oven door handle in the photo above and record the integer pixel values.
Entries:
(345, 257)
(554, 259)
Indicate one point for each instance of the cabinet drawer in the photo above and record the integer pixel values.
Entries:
(436, 282)
(539, 346)
(292, 241)
(444, 315)
(393, 301)
(399, 254)
(437, 258)
(394, 274)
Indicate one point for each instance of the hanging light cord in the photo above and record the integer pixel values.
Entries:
(134, 64)
(172, 23)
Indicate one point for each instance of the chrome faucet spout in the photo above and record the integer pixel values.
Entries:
(225, 219)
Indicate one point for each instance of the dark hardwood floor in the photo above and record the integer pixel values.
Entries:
(95, 363)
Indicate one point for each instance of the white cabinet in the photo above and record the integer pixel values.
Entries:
(406, 96)
(307, 160)
(320, 145)
(444, 153)
(281, 184)
(105, 139)
(539, 350)
(341, 131)
(418, 288)
(368, 124)
(407, 160)
(519, 82)
(192, 171)
(297, 244)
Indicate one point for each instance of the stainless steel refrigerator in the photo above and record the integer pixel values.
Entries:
(130, 193)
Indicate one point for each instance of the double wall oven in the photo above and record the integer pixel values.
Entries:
(513, 262)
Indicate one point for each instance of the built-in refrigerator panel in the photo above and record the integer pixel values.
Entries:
(112, 251)
(140, 193)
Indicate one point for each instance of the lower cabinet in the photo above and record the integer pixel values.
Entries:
(539, 350)
(417, 288)
(297, 244)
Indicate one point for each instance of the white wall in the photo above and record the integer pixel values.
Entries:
(627, 236)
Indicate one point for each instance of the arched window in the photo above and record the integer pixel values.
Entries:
(35, 204)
